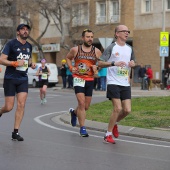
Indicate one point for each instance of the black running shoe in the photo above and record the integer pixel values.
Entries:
(16, 136)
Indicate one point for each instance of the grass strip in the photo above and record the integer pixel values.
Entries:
(147, 112)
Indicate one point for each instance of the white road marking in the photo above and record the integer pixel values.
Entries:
(37, 119)
(131, 129)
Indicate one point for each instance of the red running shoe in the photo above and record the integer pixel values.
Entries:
(109, 139)
(115, 131)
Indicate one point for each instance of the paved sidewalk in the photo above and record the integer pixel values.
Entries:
(157, 134)
(136, 92)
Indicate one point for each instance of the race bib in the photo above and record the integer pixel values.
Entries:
(44, 76)
(123, 72)
(24, 67)
(78, 82)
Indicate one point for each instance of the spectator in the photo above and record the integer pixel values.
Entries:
(98, 81)
(103, 73)
(97, 84)
(141, 75)
(167, 76)
(149, 74)
(69, 77)
(63, 72)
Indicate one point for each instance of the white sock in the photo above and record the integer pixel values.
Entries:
(108, 133)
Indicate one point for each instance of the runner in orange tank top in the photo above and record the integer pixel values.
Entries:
(85, 57)
(84, 62)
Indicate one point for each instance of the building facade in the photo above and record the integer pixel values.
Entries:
(101, 16)
(148, 23)
(144, 18)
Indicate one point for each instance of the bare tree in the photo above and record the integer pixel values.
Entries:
(57, 11)
(6, 25)
(27, 13)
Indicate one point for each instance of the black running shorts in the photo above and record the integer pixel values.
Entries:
(42, 83)
(87, 89)
(118, 92)
(13, 86)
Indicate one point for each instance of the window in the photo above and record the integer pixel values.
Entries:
(84, 14)
(168, 4)
(114, 11)
(101, 12)
(148, 5)
(80, 14)
(107, 11)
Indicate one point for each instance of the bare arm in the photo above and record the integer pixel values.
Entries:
(4, 61)
(38, 72)
(98, 54)
(110, 64)
(69, 57)
(132, 63)
(32, 65)
(30, 61)
(49, 72)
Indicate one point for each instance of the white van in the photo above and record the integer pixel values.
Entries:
(52, 79)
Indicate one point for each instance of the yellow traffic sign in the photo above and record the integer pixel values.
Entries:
(164, 39)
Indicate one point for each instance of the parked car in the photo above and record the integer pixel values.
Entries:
(53, 78)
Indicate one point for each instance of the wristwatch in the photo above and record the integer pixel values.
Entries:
(113, 63)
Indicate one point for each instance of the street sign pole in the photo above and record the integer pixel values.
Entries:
(163, 29)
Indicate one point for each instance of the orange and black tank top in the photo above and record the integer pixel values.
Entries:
(83, 63)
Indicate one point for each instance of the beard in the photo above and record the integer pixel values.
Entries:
(24, 37)
(87, 45)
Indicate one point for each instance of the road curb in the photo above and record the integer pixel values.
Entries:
(123, 130)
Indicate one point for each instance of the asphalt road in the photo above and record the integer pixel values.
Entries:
(57, 146)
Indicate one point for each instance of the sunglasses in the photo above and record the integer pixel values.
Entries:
(126, 31)
(85, 30)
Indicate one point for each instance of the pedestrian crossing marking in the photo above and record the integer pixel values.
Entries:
(164, 38)
(164, 51)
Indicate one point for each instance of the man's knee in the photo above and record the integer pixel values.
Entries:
(21, 105)
(86, 107)
(118, 109)
(7, 108)
(126, 111)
